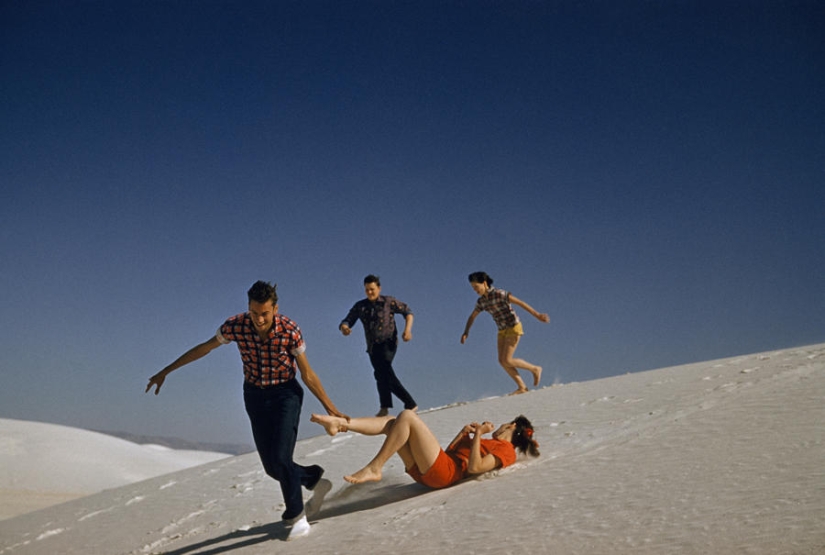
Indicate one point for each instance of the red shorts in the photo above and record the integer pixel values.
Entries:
(444, 472)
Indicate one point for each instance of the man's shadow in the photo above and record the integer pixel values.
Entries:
(363, 497)
(350, 499)
(239, 539)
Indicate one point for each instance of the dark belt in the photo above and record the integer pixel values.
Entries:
(248, 386)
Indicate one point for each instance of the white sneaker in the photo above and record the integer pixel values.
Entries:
(299, 529)
(321, 489)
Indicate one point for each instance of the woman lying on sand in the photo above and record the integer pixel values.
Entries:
(424, 459)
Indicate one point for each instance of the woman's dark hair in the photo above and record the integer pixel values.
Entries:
(523, 437)
(372, 279)
(480, 277)
(262, 291)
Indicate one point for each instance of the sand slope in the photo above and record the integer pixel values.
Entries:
(42, 464)
(715, 457)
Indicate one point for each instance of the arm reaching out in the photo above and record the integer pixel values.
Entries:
(193, 354)
(540, 317)
(467, 327)
(313, 382)
(346, 324)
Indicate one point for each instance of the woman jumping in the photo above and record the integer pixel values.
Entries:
(498, 303)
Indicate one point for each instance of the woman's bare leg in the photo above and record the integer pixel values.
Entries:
(368, 426)
(506, 350)
(411, 439)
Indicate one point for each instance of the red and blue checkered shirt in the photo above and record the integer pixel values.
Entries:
(268, 362)
(497, 303)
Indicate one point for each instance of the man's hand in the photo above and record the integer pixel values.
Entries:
(336, 412)
(345, 329)
(157, 381)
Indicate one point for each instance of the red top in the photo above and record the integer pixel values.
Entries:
(268, 362)
(500, 449)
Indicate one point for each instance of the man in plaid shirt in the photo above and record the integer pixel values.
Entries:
(271, 348)
(377, 314)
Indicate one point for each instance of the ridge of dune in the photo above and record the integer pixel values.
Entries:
(42, 464)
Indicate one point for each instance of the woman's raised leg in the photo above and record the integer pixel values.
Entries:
(408, 436)
(368, 426)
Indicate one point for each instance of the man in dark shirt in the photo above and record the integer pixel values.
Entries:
(377, 314)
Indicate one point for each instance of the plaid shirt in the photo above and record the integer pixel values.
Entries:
(497, 303)
(269, 362)
(378, 318)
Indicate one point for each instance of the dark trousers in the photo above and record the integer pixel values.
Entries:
(381, 356)
(274, 413)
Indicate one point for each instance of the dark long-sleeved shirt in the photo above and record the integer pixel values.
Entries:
(378, 318)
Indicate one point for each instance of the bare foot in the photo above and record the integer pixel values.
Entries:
(332, 424)
(536, 376)
(519, 391)
(364, 475)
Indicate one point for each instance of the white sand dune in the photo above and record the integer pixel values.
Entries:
(43, 464)
(720, 457)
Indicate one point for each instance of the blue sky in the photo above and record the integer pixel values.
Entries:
(648, 173)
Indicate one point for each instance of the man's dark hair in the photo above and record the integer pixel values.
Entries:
(372, 279)
(262, 291)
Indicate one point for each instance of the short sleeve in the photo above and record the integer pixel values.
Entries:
(295, 345)
(228, 331)
(221, 339)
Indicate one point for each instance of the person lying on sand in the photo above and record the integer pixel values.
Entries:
(424, 459)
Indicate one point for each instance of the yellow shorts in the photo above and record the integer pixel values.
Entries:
(515, 331)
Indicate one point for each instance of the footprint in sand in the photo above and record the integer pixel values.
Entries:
(94, 514)
(181, 521)
(50, 533)
(244, 488)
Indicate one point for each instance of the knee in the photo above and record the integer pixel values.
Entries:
(407, 415)
(277, 467)
(277, 471)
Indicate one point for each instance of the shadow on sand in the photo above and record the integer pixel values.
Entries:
(363, 497)
(235, 540)
(350, 499)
